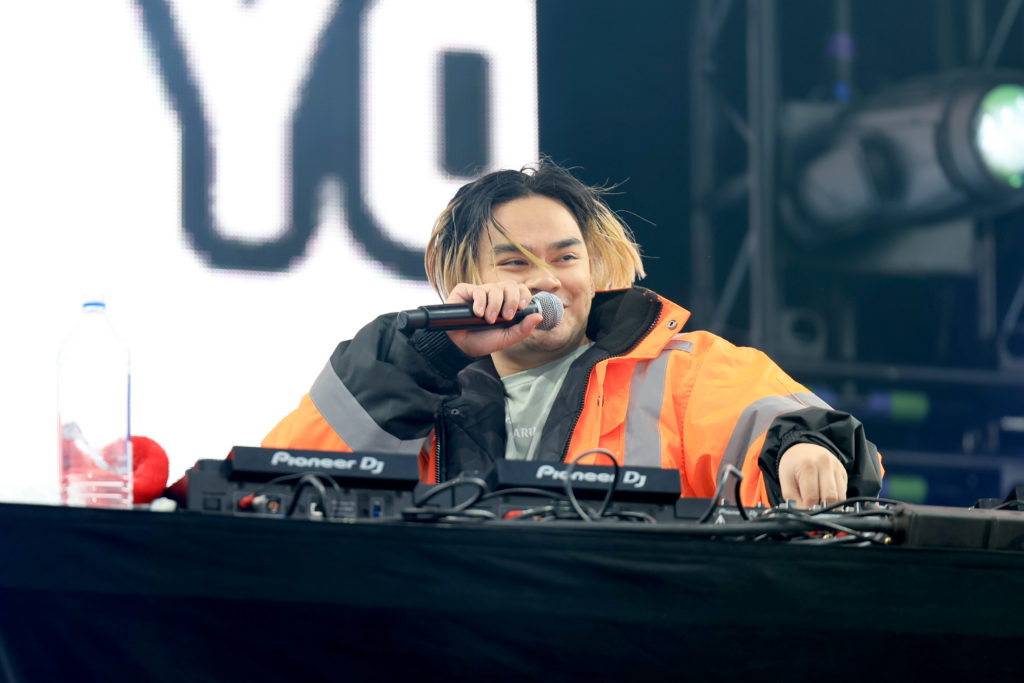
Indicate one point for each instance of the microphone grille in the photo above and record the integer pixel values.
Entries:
(551, 308)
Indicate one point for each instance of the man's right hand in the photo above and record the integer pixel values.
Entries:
(493, 301)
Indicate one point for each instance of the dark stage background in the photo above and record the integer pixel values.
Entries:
(910, 348)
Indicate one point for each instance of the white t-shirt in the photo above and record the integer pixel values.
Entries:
(529, 397)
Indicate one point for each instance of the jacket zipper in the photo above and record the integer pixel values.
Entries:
(583, 395)
(438, 429)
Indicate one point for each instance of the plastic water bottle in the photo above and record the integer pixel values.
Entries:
(94, 394)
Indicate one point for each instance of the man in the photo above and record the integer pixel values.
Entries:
(618, 373)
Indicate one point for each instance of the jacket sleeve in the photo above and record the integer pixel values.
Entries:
(839, 432)
(380, 391)
(743, 410)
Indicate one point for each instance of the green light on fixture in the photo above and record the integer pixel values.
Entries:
(999, 133)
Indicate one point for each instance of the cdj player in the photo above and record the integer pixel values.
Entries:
(304, 484)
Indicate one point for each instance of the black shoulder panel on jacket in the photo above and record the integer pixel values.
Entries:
(620, 318)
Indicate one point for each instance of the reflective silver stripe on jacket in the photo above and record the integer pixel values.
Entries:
(352, 423)
(753, 422)
(642, 441)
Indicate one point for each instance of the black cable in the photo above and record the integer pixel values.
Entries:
(858, 499)
(303, 478)
(524, 491)
(528, 513)
(452, 483)
(736, 492)
(802, 523)
(779, 526)
(615, 480)
(309, 479)
(836, 540)
(569, 496)
(445, 515)
(809, 516)
(420, 513)
(295, 475)
(471, 514)
(877, 512)
(572, 494)
(481, 489)
(533, 513)
(815, 523)
(634, 515)
(729, 470)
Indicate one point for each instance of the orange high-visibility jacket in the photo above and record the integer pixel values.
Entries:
(648, 392)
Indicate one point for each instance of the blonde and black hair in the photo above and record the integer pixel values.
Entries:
(454, 245)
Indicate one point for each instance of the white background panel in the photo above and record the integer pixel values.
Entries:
(90, 177)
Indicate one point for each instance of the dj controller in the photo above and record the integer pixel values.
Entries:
(385, 487)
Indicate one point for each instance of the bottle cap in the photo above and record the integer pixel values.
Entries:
(94, 299)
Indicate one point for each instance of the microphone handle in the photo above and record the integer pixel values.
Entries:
(456, 317)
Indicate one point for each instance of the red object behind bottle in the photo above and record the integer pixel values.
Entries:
(149, 469)
(150, 466)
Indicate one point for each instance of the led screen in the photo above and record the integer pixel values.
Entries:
(247, 183)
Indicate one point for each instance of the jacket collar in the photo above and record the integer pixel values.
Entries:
(620, 319)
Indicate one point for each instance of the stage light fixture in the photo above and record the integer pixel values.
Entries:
(944, 147)
(1000, 133)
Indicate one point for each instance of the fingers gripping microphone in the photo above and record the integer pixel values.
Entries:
(461, 317)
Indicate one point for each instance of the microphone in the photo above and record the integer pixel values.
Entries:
(461, 316)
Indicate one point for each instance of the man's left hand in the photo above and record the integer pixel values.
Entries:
(810, 474)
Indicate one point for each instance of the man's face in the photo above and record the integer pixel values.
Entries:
(547, 229)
